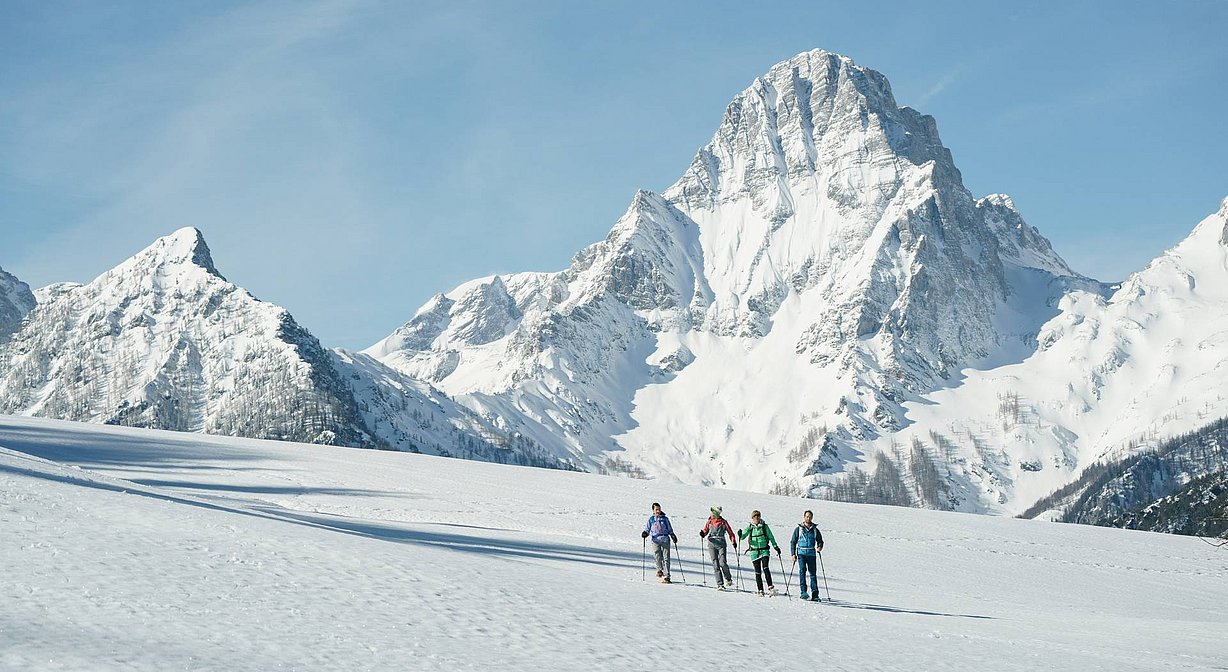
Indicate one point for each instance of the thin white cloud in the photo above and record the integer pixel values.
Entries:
(939, 86)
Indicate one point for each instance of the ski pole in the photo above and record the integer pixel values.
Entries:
(782, 571)
(702, 568)
(738, 552)
(680, 569)
(790, 579)
(824, 576)
(643, 559)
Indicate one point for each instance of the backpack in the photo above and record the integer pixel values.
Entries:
(802, 535)
(659, 527)
(759, 532)
(716, 531)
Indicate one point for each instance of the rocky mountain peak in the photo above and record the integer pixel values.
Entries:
(181, 251)
(808, 116)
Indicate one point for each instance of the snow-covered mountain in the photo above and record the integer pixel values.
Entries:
(16, 301)
(165, 341)
(1111, 374)
(762, 322)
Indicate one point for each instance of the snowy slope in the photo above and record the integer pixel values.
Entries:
(164, 340)
(144, 550)
(762, 322)
(1110, 375)
(408, 414)
(16, 301)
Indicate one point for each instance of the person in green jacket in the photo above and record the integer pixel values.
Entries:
(759, 537)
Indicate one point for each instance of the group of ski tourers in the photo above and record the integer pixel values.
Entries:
(805, 546)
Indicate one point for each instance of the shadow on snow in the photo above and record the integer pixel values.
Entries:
(478, 543)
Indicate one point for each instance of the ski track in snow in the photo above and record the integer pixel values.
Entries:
(131, 549)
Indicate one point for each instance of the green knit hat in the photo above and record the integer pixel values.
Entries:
(716, 511)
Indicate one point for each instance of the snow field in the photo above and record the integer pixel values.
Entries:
(141, 550)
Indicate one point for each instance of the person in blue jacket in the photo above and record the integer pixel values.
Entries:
(660, 533)
(806, 543)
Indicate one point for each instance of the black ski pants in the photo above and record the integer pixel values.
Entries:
(763, 572)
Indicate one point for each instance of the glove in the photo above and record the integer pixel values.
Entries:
(777, 550)
(702, 534)
(674, 538)
(735, 544)
(739, 534)
(643, 535)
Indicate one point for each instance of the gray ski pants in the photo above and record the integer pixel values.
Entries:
(660, 553)
(720, 564)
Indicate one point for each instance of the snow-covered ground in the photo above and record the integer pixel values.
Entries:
(141, 550)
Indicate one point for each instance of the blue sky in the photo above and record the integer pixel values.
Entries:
(349, 159)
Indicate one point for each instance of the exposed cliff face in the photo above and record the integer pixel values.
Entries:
(818, 264)
(16, 301)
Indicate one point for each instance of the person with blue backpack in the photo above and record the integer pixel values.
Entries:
(660, 533)
(806, 544)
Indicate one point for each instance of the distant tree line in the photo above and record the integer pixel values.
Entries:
(1180, 486)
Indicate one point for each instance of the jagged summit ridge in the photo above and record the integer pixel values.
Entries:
(802, 114)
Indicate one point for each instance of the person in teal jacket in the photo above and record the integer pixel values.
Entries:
(758, 539)
(806, 543)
